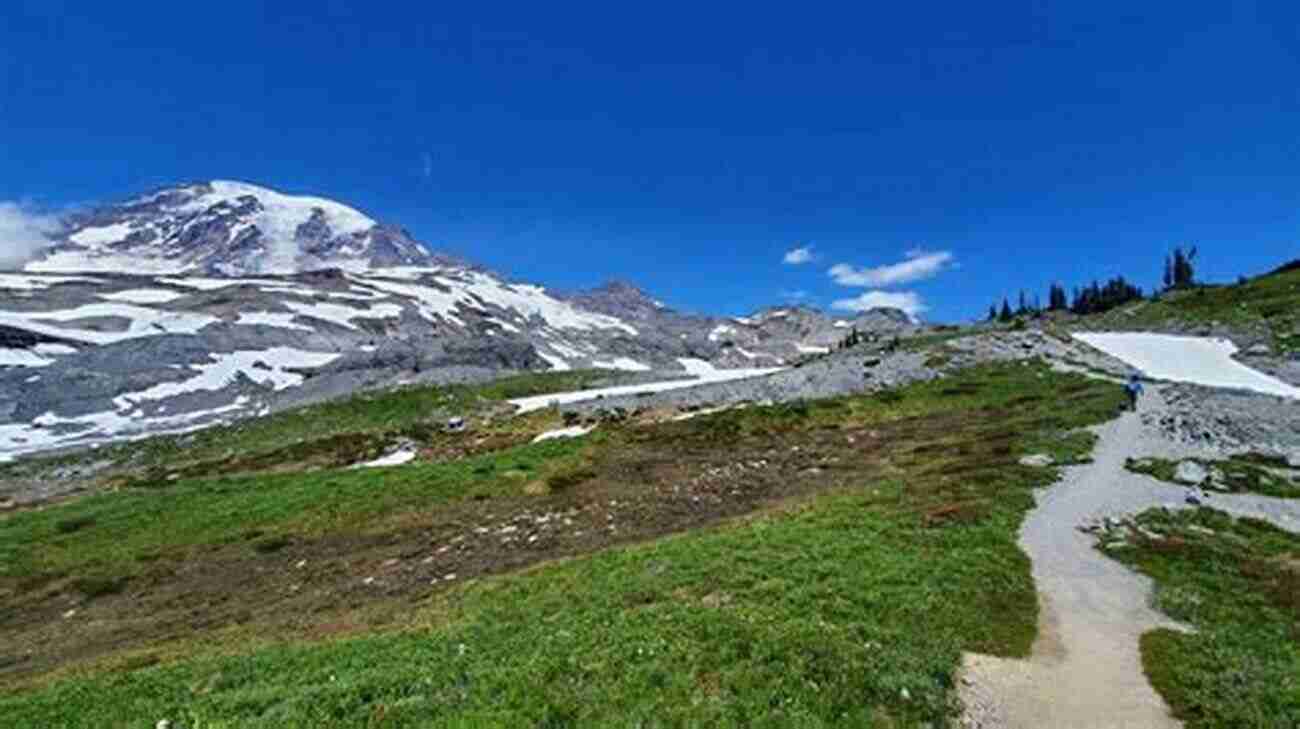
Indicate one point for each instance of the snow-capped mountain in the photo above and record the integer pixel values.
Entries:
(208, 302)
(227, 228)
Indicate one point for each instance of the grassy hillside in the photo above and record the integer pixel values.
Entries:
(1269, 304)
(809, 565)
(335, 433)
(1237, 582)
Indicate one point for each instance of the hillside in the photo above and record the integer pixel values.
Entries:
(433, 589)
(733, 554)
(1262, 310)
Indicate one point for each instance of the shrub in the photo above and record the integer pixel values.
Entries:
(75, 524)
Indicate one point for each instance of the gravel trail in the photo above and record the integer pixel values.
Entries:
(1085, 669)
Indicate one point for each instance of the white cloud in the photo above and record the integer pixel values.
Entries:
(798, 256)
(919, 266)
(907, 301)
(23, 233)
(797, 295)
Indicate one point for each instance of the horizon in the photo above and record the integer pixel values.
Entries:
(936, 164)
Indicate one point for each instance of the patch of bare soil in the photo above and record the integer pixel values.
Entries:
(654, 483)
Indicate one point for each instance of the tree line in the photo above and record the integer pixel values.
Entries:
(1098, 297)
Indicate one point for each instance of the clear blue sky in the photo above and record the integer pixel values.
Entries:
(689, 147)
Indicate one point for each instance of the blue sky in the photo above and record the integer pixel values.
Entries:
(688, 148)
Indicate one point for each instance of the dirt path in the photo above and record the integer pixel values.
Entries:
(1085, 670)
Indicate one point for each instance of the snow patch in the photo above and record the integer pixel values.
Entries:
(558, 364)
(265, 367)
(573, 432)
(1197, 360)
(50, 431)
(54, 349)
(392, 459)
(343, 315)
(697, 367)
(211, 284)
(809, 349)
(21, 282)
(621, 363)
(143, 296)
(143, 322)
(22, 358)
(720, 331)
(102, 235)
(705, 373)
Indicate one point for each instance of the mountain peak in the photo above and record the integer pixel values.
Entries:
(227, 227)
(622, 298)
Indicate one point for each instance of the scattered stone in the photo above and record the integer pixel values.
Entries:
(69, 613)
(1038, 460)
(8, 505)
(163, 724)
(1193, 500)
(1191, 473)
(301, 563)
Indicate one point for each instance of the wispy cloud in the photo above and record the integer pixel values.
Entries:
(907, 301)
(426, 166)
(798, 295)
(23, 233)
(798, 256)
(917, 266)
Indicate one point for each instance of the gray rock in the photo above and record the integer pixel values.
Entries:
(1191, 473)
(1039, 460)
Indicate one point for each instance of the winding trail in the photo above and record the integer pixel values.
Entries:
(1085, 669)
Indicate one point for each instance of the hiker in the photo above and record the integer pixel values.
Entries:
(1134, 389)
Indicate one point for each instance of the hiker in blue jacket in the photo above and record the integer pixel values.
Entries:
(1134, 389)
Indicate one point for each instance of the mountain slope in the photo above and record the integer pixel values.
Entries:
(1264, 310)
(92, 358)
(244, 301)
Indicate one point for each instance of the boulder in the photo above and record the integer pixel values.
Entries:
(1038, 460)
(1191, 473)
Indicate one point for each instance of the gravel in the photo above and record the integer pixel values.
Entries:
(1224, 422)
(840, 373)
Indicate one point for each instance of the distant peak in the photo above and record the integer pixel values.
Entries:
(228, 227)
(620, 286)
